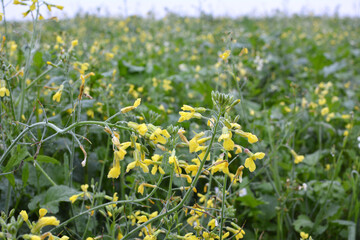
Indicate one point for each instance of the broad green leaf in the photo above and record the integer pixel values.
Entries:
(250, 201)
(302, 222)
(44, 159)
(55, 195)
(20, 153)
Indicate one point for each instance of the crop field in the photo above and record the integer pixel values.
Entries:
(183, 128)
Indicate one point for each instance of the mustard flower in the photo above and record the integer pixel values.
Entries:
(173, 160)
(238, 233)
(220, 165)
(324, 111)
(57, 95)
(129, 108)
(297, 158)
(137, 162)
(226, 137)
(156, 161)
(225, 55)
(304, 235)
(84, 188)
(213, 223)
(251, 137)
(141, 128)
(159, 136)
(24, 215)
(188, 115)
(193, 143)
(45, 221)
(141, 188)
(3, 90)
(250, 161)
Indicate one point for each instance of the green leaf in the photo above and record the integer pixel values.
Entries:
(313, 158)
(38, 59)
(44, 159)
(55, 195)
(25, 174)
(250, 201)
(11, 179)
(20, 153)
(351, 227)
(302, 222)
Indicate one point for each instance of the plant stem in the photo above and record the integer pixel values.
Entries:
(223, 206)
(28, 61)
(45, 174)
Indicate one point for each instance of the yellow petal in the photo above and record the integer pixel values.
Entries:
(137, 102)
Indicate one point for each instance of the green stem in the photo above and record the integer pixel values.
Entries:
(39, 77)
(28, 61)
(187, 194)
(45, 174)
(223, 206)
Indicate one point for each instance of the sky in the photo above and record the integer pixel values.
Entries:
(232, 8)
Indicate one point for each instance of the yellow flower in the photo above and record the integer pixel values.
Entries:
(251, 137)
(137, 162)
(141, 128)
(324, 111)
(193, 168)
(193, 143)
(304, 235)
(188, 115)
(159, 136)
(226, 136)
(150, 237)
(250, 161)
(129, 108)
(297, 158)
(345, 116)
(3, 90)
(173, 160)
(115, 170)
(225, 55)
(73, 198)
(322, 101)
(45, 221)
(141, 188)
(238, 233)
(74, 43)
(90, 113)
(33, 237)
(156, 161)
(42, 212)
(57, 95)
(59, 7)
(212, 223)
(32, 7)
(24, 215)
(220, 165)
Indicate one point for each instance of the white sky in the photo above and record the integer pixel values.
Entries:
(231, 8)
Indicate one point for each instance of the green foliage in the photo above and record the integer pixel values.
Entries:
(299, 91)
